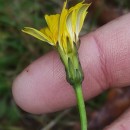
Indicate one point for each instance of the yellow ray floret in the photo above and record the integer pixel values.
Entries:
(38, 34)
(62, 22)
(53, 25)
(75, 19)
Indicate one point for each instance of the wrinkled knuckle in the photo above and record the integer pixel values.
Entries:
(102, 58)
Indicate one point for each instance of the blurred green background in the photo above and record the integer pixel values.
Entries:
(17, 50)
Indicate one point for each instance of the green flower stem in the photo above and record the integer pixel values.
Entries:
(81, 106)
(74, 76)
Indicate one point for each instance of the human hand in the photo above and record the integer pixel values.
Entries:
(105, 58)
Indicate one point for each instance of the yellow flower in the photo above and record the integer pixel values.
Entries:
(62, 29)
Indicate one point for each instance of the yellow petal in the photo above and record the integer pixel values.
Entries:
(53, 25)
(69, 25)
(46, 31)
(77, 6)
(81, 14)
(63, 16)
(73, 11)
(76, 18)
(62, 35)
(37, 34)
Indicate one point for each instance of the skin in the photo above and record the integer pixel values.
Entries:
(105, 58)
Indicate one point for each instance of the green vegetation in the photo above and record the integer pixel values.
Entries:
(17, 50)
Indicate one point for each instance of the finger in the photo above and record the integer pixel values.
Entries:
(123, 123)
(104, 56)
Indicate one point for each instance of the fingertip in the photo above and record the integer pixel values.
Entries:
(24, 95)
(42, 87)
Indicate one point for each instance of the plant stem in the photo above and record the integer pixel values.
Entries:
(81, 106)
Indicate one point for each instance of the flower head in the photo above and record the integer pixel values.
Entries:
(62, 29)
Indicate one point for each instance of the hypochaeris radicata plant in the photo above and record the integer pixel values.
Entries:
(62, 32)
